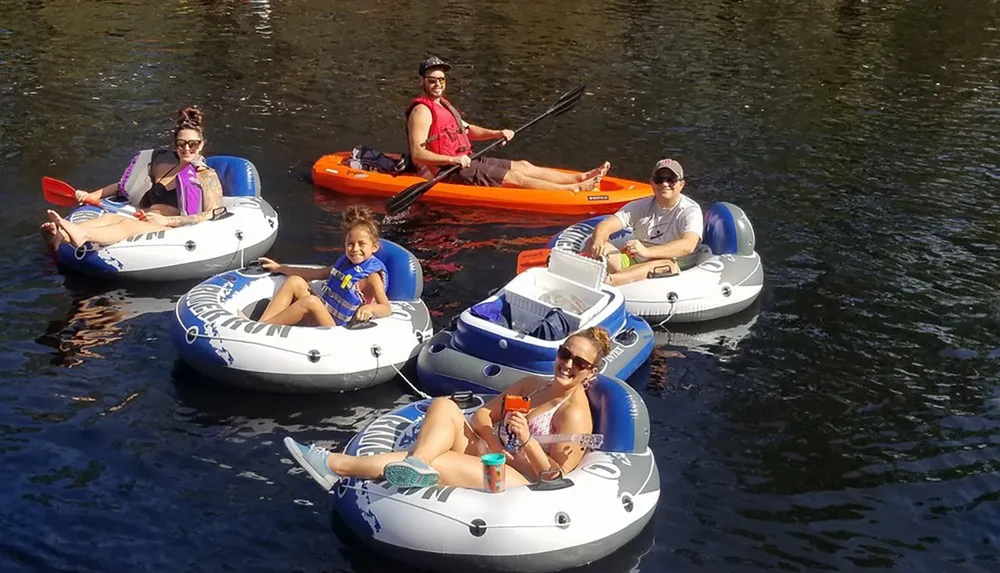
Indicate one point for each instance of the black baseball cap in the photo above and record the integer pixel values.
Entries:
(433, 62)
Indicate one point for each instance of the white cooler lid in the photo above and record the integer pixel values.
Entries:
(577, 268)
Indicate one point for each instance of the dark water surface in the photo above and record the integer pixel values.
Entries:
(850, 420)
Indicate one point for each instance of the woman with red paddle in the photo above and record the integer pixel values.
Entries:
(175, 188)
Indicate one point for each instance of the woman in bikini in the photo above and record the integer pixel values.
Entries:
(161, 202)
(449, 447)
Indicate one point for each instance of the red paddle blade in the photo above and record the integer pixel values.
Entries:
(62, 193)
(59, 192)
(533, 258)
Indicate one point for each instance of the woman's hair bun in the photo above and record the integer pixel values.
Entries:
(599, 338)
(190, 117)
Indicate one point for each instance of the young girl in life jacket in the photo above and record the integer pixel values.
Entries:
(355, 284)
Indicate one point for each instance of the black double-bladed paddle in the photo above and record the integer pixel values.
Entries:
(400, 201)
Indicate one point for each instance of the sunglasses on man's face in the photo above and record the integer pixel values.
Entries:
(435, 79)
(668, 179)
(190, 144)
(565, 354)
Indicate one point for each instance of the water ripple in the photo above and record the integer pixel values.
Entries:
(850, 419)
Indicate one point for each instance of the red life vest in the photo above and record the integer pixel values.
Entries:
(447, 135)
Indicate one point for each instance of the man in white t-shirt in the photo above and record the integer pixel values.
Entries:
(666, 226)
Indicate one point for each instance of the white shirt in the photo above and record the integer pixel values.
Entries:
(654, 225)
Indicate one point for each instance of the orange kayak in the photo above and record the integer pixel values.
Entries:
(332, 172)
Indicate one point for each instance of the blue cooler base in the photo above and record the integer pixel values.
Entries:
(442, 369)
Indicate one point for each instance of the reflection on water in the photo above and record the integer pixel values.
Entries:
(717, 337)
(96, 321)
(339, 416)
(675, 342)
(855, 425)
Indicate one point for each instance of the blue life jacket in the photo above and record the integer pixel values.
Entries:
(341, 293)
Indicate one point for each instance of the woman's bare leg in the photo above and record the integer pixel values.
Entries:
(445, 441)
(455, 469)
(443, 430)
(365, 467)
(104, 235)
(165, 210)
(462, 470)
(293, 289)
(52, 235)
(102, 221)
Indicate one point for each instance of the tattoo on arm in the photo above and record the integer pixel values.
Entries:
(211, 189)
(181, 220)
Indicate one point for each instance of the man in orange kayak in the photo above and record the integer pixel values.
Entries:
(438, 136)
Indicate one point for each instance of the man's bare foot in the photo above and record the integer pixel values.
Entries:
(597, 183)
(591, 184)
(51, 235)
(74, 234)
(604, 170)
(599, 171)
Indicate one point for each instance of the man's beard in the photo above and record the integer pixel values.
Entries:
(430, 94)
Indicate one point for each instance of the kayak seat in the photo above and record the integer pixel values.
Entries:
(238, 176)
(728, 230)
(406, 277)
(619, 414)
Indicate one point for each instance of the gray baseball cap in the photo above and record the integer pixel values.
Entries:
(671, 165)
(433, 62)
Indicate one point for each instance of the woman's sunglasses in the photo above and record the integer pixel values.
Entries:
(190, 144)
(565, 354)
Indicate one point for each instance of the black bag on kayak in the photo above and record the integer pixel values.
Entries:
(368, 159)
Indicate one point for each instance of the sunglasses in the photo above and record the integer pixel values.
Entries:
(435, 79)
(190, 144)
(565, 354)
(668, 179)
